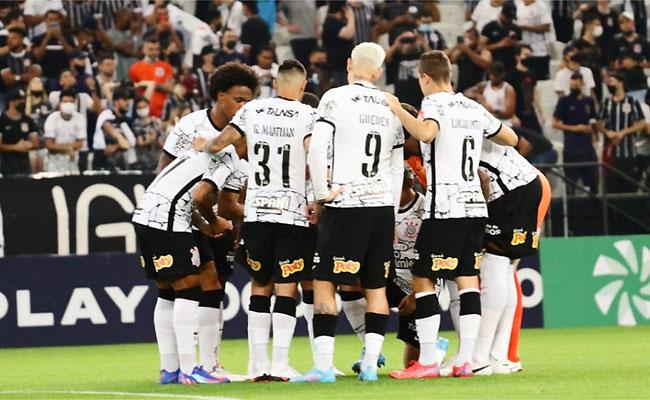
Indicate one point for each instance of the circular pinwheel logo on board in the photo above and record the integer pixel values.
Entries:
(628, 291)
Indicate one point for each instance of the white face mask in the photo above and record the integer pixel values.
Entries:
(143, 112)
(67, 108)
(598, 31)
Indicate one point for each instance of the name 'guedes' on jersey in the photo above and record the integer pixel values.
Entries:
(506, 168)
(365, 134)
(167, 203)
(452, 159)
(275, 130)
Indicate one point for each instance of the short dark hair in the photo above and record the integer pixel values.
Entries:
(520, 47)
(68, 93)
(266, 48)
(292, 65)
(576, 76)
(436, 65)
(140, 99)
(318, 49)
(103, 55)
(122, 92)
(150, 38)
(19, 31)
(496, 69)
(589, 18)
(252, 6)
(312, 100)
(335, 6)
(232, 74)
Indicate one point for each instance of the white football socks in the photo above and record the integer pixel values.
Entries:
(259, 330)
(502, 337)
(209, 336)
(283, 328)
(468, 329)
(308, 310)
(163, 321)
(324, 352)
(374, 343)
(494, 292)
(185, 324)
(427, 329)
(355, 312)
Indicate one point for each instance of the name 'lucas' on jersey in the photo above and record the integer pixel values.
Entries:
(275, 130)
(452, 159)
(365, 134)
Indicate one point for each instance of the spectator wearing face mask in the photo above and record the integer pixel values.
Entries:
(319, 73)
(403, 57)
(562, 83)
(588, 51)
(528, 106)
(113, 136)
(575, 115)
(631, 56)
(502, 36)
(18, 136)
(229, 51)
(266, 71)
(152, 76)
(608, 17)
(147, 130)
(472, 59)
(620, 119)
(65, 133)
(433, 39)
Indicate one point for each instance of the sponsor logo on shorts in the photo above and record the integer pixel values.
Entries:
(492, 230)
(386, 268)
(478, 258)
(196, 258)
(163, 262)
(347, 266)
(291, 268)
(535, 239)
(440, 262)
(255, 265)
(518, 237)
(142, 263)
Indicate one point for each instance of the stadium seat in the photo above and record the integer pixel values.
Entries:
(452, 12)
(449, 31)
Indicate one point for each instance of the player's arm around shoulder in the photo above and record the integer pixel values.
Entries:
(494, 130)
(425, 130)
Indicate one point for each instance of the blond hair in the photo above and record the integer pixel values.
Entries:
(368, 56)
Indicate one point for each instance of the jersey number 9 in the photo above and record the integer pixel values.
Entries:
(373, 148)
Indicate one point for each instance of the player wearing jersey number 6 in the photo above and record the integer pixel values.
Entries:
(450, 240)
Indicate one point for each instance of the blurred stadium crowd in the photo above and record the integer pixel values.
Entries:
(97, 85)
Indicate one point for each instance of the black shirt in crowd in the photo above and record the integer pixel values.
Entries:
(255, 33)
(406, 67)
(637, 49)
(469, 73)
(55, 60)
(496, 32)
(12, 131)
(338, 50)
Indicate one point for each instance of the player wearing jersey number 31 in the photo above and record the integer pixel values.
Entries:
(450, 240)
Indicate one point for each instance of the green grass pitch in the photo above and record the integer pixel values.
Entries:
(589, 363)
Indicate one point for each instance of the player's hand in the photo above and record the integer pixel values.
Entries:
(407, 305)
(314, 210)
(393, 102)
(219, 228)
(332, 195)
(198, 143)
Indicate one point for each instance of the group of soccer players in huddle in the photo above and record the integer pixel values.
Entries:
(318, 194)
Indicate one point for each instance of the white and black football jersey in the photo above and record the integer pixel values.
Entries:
(275, 130)
(167, 203)
(507, 169)
(451, 160)
(365, 134)
(191, 126)
(407, 225)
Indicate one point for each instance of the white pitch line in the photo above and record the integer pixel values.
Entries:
(117, 394)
